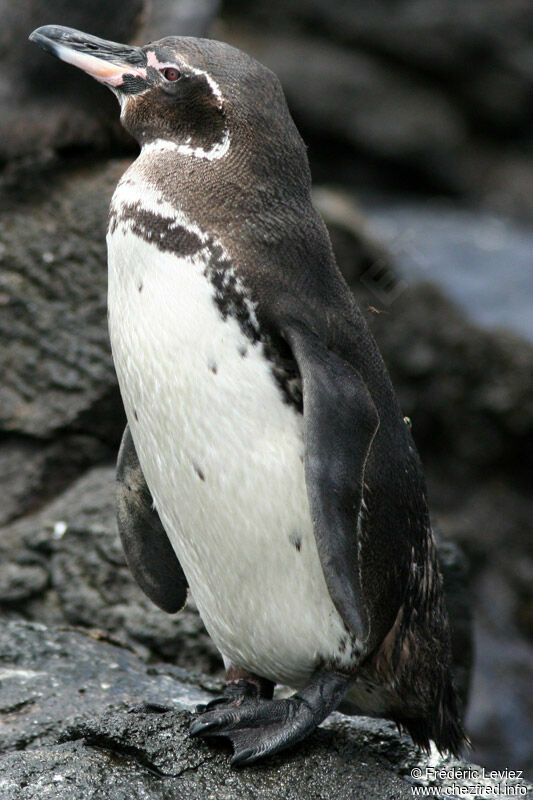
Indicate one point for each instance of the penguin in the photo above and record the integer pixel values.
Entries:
(266, 465)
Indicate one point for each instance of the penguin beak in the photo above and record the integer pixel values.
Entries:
(119, 66)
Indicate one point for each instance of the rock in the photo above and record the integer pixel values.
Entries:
(56, 361)
(19, 582)
(502, 182)
(501, 702)
(83, 717)
(56, 675)
(31, 472)
(60, 409)
(338, 93)
(481, 261)
(182, 18)
(57, 107)
(66, 565)
(371, 82)
(479, 50)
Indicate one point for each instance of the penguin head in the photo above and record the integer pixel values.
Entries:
(197, 94)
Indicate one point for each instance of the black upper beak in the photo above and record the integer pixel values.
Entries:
(117, 65)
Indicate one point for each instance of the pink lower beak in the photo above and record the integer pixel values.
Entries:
(106, 61)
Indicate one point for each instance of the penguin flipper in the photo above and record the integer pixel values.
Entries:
(147, 548)
(340, 422)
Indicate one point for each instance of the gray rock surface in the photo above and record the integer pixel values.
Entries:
(32, 471)
(501, 701)
(56, 362)
(433, 95)
(481, 47)
(84, 718)
(481, 261)
(65, 565)
(58, 674)
(60, 409)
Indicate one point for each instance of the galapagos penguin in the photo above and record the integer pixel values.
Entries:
(266, 463)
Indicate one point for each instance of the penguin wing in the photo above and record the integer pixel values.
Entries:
(340, 422)
(148, 551)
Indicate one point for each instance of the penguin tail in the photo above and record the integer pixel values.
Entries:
(442, 725)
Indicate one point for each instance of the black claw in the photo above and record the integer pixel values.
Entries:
(200, 726)
(243, 757)
(203, 707)
(235, 694)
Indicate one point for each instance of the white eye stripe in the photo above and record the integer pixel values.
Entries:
(213, 85)
(161, 66)
(153, 61)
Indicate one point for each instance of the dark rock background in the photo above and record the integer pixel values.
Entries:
(86, 718)
(398, 102)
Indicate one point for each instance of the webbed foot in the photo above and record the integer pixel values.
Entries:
(257, 727)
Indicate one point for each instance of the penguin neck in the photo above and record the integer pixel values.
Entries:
(188, 149)
(244, 203)
(173, 171)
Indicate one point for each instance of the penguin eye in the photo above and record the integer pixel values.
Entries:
(171, 74)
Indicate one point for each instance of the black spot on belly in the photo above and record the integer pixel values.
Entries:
(135, 414)
(199, 472)
(140, 287)
(213, 367)
(296, 540)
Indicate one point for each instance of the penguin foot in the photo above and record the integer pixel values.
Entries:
(239, 691)
(257, 727)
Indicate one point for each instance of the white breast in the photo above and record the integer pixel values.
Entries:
(222, 455)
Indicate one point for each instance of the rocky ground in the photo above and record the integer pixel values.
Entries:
(467, 389)
(83, 717)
